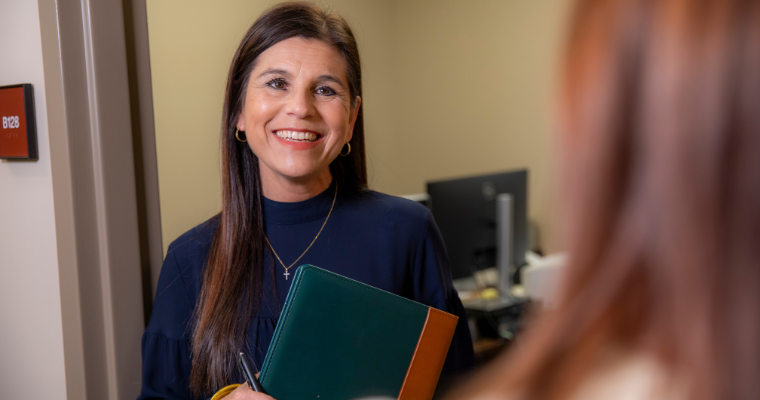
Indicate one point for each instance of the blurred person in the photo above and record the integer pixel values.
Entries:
(659, 133)
(294, 192)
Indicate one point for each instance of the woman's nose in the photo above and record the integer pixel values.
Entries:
(300, 104)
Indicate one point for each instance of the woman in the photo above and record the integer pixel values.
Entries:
(294, 192)
(660, 133)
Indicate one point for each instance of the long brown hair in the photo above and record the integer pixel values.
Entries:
(660, 132)
(232, 281)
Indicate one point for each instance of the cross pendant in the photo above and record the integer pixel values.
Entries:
(287, 274)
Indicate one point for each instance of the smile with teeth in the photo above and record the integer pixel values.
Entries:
(297, 136)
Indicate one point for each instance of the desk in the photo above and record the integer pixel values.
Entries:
(496, 323)
(486, 349)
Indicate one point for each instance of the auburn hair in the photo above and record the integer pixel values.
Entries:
(660, 138)
(232, 282)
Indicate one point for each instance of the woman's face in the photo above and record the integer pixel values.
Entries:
(297, 113)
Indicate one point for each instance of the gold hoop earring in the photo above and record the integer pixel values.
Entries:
(238, 137)
(348, 152)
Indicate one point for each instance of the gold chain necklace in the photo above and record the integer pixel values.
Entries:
(287, 274)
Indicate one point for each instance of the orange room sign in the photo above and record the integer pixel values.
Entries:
(18, 131)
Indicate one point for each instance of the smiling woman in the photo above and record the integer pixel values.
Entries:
(294, 192)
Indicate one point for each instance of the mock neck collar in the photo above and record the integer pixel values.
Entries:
(317, 207)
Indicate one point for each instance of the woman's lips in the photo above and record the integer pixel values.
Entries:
(297, 136)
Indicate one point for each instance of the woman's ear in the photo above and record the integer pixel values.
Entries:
(240, 124)
(352, 118)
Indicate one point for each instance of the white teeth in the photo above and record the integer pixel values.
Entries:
(297, 136)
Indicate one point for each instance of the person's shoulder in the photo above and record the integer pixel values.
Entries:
(195, 240)
(393, 206)
(632, 376)
(180, 281)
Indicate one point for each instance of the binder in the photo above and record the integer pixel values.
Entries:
(339, 339)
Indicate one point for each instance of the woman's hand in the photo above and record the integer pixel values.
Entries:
(244, 392)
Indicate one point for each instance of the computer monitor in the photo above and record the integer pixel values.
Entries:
(465, 211)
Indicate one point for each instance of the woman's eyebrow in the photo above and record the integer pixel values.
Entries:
(330, 78)
(274, 71)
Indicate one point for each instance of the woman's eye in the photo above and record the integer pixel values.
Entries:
(325, 91)
(277, 84)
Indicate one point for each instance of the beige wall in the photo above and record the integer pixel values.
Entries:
(451, 88)
(31, 338)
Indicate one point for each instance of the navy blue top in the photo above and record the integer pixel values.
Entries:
(384, 241)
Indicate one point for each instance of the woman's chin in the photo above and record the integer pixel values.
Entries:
(305, 175)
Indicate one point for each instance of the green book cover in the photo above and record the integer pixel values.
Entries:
(341, 339)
